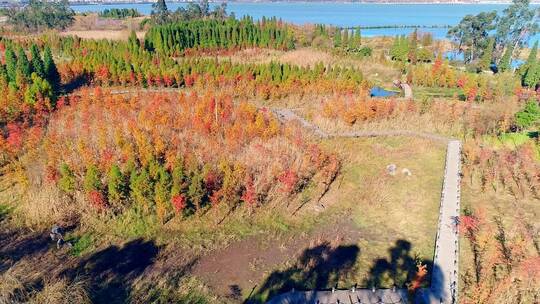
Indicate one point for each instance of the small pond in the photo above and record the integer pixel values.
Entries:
(380, 92)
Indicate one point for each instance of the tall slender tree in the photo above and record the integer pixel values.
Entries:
(160, 12)
(505, 64)
(23, 65)
(487, 57)
(11, 64)
(51, 72)
(37, 62)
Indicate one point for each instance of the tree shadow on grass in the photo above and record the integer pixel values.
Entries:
(113, 270)
(17, 245)
(321, 268)
(76, 83)
(318, 267)
(396, 270)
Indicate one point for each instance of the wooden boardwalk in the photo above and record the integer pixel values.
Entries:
(445, 276)
(444, 283)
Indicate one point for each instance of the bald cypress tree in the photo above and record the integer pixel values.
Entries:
(506, 61)
(11, 64)
(23, 65)
(485, 62)
(37, 63)
(50, 71)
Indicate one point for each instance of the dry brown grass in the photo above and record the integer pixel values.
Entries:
(11, 287)
(374, 68)
(308, 57)
(43, 206)
(94, 22)
(102, 34)
(62, 292)
(15, 287)
(412, 121)
(36, 203)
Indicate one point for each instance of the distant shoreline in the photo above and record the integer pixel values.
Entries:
(310, 2)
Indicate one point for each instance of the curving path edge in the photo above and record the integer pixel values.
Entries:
(445, 274)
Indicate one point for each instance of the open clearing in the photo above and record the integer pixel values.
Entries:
(363, 235)
(102, 34)
(357, 234)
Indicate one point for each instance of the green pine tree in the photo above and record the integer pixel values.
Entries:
(92, 180)
(529, 64)
(162, 191)
(357, 37)
(532, 55)
(23, 65)
(39, 87)
(37, 62)
(133, 42)
(178, 179)
(11, 64)
(532, 76)
(51, 72)
(413, 49)
(506, 61)
(142, 189)
(67, 181)
(160, 12)
(116, 185)
(529, 116)
(345, 38)
(487, 57)
(196, 190)
(337, 38)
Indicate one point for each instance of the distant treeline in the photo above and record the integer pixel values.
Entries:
(175, 37)
(120, 13)
(374, 27)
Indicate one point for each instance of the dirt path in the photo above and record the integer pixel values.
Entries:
(243, 264)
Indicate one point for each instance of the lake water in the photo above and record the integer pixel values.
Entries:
(343, 14)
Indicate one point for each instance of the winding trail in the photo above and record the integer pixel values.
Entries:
(444, 279)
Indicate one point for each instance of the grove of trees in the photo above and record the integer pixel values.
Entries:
(26, 84)
(172, 155)
(173, 38)
(39, 15)
(500, 35)
(119, 13)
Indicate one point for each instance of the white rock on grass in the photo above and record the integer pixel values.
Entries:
(391, 169)
(406, 172)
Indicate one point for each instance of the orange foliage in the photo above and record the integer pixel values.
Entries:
(210, 133)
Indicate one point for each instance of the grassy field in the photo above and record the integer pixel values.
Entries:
(376, 71)
(369, 229)
(391, 208)
(357, 234)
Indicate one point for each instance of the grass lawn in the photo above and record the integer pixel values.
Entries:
(389, 209)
